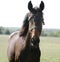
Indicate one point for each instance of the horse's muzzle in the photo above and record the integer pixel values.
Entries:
(35, 42)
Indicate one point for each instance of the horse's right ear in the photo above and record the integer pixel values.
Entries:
(30, 6)
(41, 5)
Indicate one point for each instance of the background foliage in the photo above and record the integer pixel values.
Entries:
(45, 32)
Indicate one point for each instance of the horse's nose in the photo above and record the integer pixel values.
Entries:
(35, 42)
(34, 39)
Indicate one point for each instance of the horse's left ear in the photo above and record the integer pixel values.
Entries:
(41, 6)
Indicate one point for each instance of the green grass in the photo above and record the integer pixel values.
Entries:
(3, 48)
(50, 49)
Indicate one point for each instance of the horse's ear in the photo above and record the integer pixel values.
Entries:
(30, 7)
(41, 6)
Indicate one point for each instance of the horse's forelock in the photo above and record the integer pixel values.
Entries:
(25, 27)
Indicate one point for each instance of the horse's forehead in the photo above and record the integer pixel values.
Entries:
(29, 15)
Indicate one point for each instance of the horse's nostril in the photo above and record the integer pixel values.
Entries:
(35, 42)
(34, 39)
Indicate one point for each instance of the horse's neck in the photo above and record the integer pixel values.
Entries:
(27, 38)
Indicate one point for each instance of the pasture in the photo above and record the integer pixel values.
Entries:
(50, 49)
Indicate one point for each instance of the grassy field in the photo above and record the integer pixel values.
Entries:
(50, 49)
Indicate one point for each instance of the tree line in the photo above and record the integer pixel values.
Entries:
(45, 32)
(7, 30)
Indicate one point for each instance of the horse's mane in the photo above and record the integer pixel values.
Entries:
(25, 27)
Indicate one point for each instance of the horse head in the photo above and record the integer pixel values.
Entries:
(33, 22)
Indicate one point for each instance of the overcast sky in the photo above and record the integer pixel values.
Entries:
(12, 12)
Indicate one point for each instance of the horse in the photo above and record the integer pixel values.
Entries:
(23, 45)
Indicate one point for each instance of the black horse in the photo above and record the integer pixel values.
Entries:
(23, 45)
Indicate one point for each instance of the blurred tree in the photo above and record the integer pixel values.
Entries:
(7, 32)
(1, 30)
